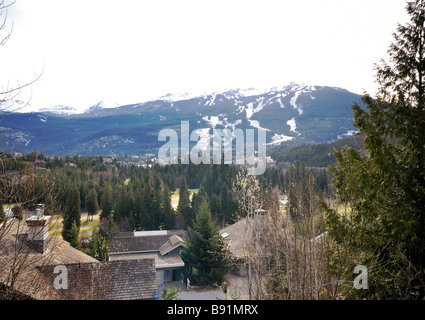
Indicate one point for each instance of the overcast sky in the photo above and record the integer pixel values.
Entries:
(129, 51)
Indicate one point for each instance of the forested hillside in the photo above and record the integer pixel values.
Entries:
(317, 154)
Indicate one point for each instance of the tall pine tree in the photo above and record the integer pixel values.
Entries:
(385, 186)
(72, 218)
(168, 213)
(184, 208)
(206, 250)
(106, 201)
(92, 204)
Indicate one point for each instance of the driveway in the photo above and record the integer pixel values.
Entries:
(201, 295)
(236, 289)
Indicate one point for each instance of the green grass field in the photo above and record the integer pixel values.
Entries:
(176, 196)
(86, 227)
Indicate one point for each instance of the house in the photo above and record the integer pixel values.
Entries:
(30, 258)
(162, 245)
(245, 237)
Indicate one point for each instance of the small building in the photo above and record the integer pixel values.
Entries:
(162, 245)
(30, 257)
(245, 237)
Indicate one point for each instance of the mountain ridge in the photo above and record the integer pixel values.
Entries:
(291, 114)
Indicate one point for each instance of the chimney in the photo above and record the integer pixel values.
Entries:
(260, 220)
(38, 227)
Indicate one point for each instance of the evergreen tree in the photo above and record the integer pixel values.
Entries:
(140, 216)
(168, 214)
(206, 251)
(198, 198)
(157, 217)
(99, 248)
(107, 201)
(84, 190)
(73, 236)
(385, 186)
(149, 207)
(229, 205)
(157, 182)
(215, 206)
(169, 292)
(184, 208)
(111, 226)
(172, 182)
(92, 204)
(72, 216)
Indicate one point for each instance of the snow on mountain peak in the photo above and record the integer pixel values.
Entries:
(172, 97)
(60, 110)
(102, 105)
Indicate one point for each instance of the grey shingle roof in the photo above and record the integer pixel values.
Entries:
(127, 242)
(87, 277)
(112, 280)
(237, 236)
(18, 260)
(172, 243)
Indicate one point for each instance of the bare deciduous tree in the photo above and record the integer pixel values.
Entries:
(10, 92)
(290, 256)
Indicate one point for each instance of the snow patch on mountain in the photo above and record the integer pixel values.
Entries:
(293, 102)
(173, 97)
(204, 138)
(279, 138)
(222, 120)
(282, 106)
(213, 121)
(298, 90)
(231, 125)
(232, 95)
(256, 124)
(250, 109)
(60, 110)
(293, 125)
(102, 105)
(349, 133)
(210, 102)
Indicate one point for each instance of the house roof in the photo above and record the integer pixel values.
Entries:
(87, 277)
(235, 236)
(111, 280)
(158, 245)
(172, 243)
(18, 258)
(131, 242)
(161, 262)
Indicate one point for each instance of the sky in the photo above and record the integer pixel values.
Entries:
(131, 51)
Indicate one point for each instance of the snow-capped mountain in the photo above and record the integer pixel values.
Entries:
(60, 110)
(68, 111)
(19, 106)
(290, 114)
(101, 105)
